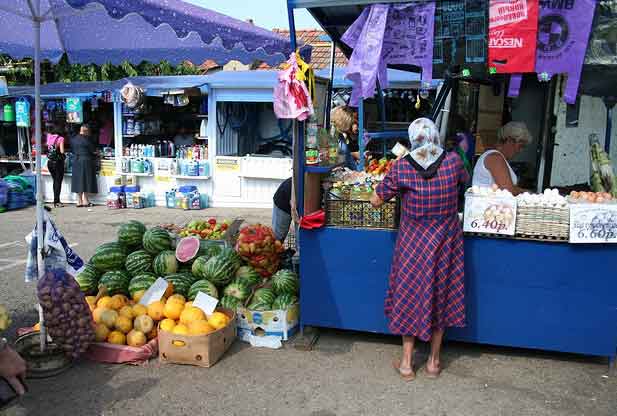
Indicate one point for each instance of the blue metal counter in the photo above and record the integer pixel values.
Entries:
(542, 295)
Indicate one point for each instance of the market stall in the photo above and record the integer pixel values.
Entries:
(93, 102)
(252, 153)
(533, 277)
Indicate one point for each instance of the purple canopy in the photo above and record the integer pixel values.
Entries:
(100, 31)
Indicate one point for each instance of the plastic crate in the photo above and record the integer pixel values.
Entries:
(361, 214)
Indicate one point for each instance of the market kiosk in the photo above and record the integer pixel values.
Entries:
(94, 104)
(530, 291)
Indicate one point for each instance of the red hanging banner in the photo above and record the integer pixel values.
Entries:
(513, 29)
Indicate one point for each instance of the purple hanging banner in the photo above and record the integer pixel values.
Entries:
(563, 34)
(389, 34)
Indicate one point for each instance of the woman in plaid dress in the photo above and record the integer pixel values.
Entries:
(426, 292)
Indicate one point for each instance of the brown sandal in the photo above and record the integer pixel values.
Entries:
(402, 371)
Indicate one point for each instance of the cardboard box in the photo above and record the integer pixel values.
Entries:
(200, 350)
(280, 323)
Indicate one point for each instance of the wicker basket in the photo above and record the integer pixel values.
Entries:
(543, 221)
(361, 214)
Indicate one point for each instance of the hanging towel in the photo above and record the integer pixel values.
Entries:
(291, 97)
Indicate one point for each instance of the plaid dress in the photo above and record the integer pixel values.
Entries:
(426, 285)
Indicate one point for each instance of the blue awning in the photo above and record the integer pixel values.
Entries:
(397, 79)
(67, 89)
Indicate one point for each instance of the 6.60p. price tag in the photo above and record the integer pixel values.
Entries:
(593, 223)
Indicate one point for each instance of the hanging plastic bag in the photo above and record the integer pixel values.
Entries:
(513, 28)
(132, 95)
(291, 97)
(58, 253)
(66, 314)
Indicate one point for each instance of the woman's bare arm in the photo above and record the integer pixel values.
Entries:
(496, 164)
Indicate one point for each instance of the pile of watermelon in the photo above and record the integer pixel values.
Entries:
(258, 246)
(130, 265)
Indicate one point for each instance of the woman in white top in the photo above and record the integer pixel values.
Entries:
(492, 166)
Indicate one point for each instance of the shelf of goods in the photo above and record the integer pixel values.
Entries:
(190, 177)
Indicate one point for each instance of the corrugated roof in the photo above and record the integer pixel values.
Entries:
(319, 40)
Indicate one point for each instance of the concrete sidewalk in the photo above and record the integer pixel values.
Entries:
(348, 373)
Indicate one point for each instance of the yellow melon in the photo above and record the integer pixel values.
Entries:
(218, 320)
(127, 311)
(201, 327)
(101, 332)
(180, 329)
(173, 310)
(136, 338)
(104, 302)
(155, 310)
(143, 323)
(139, 309)
(108, 317)
(118, 301)
(188, 305)
(191, 314)
(124, 324)
(116, 337)
(91, 300)
(96, 314)
(138, 295)
(167, 324)
(177, 298)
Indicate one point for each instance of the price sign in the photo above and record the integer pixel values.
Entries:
(489, 215)
(593, 223)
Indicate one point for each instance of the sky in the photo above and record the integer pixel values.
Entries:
(268, 14)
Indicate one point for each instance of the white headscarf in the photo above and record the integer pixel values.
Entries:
(425, 143)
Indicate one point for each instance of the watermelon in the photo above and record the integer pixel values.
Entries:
(116, 282)
(260, 306)
(108, 257)
(199, 267)
(248, 276)
(218, 269)
(264, 295)
(285, 281)
(156, 240)
(203, 286)
(182, 282)
(131, 233)
(234, 259)
(209, 249)
(138, 262)
(237, 290)
(229, 302)
(165, 263)
(284, 301)
(142, 281)
(187, 249)
(88, 279)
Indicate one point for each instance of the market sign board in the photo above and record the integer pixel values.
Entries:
(4, 87)
(593, 223)
(74, 110)
(489, 215)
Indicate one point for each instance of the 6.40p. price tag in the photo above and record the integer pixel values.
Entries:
(489, 215)
(593, 223)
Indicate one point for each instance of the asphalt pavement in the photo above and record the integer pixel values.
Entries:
(347, 373)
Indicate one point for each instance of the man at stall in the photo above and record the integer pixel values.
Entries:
(183, 138)
(493, 167)
(281, 210)
(426, 291)
(345, 121)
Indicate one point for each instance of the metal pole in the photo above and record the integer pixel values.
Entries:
(37, 146)
(328, 106)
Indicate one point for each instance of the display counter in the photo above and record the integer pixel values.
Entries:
(519, 293)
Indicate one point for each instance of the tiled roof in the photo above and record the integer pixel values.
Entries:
(320, 58)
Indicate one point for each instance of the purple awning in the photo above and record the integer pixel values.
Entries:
(100, 31)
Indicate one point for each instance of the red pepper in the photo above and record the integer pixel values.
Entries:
(212, 221)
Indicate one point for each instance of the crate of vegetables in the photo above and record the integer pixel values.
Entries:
(352, 208)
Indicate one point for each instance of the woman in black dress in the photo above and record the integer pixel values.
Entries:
(84, 169)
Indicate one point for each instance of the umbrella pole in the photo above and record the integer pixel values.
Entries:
(37, 134)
